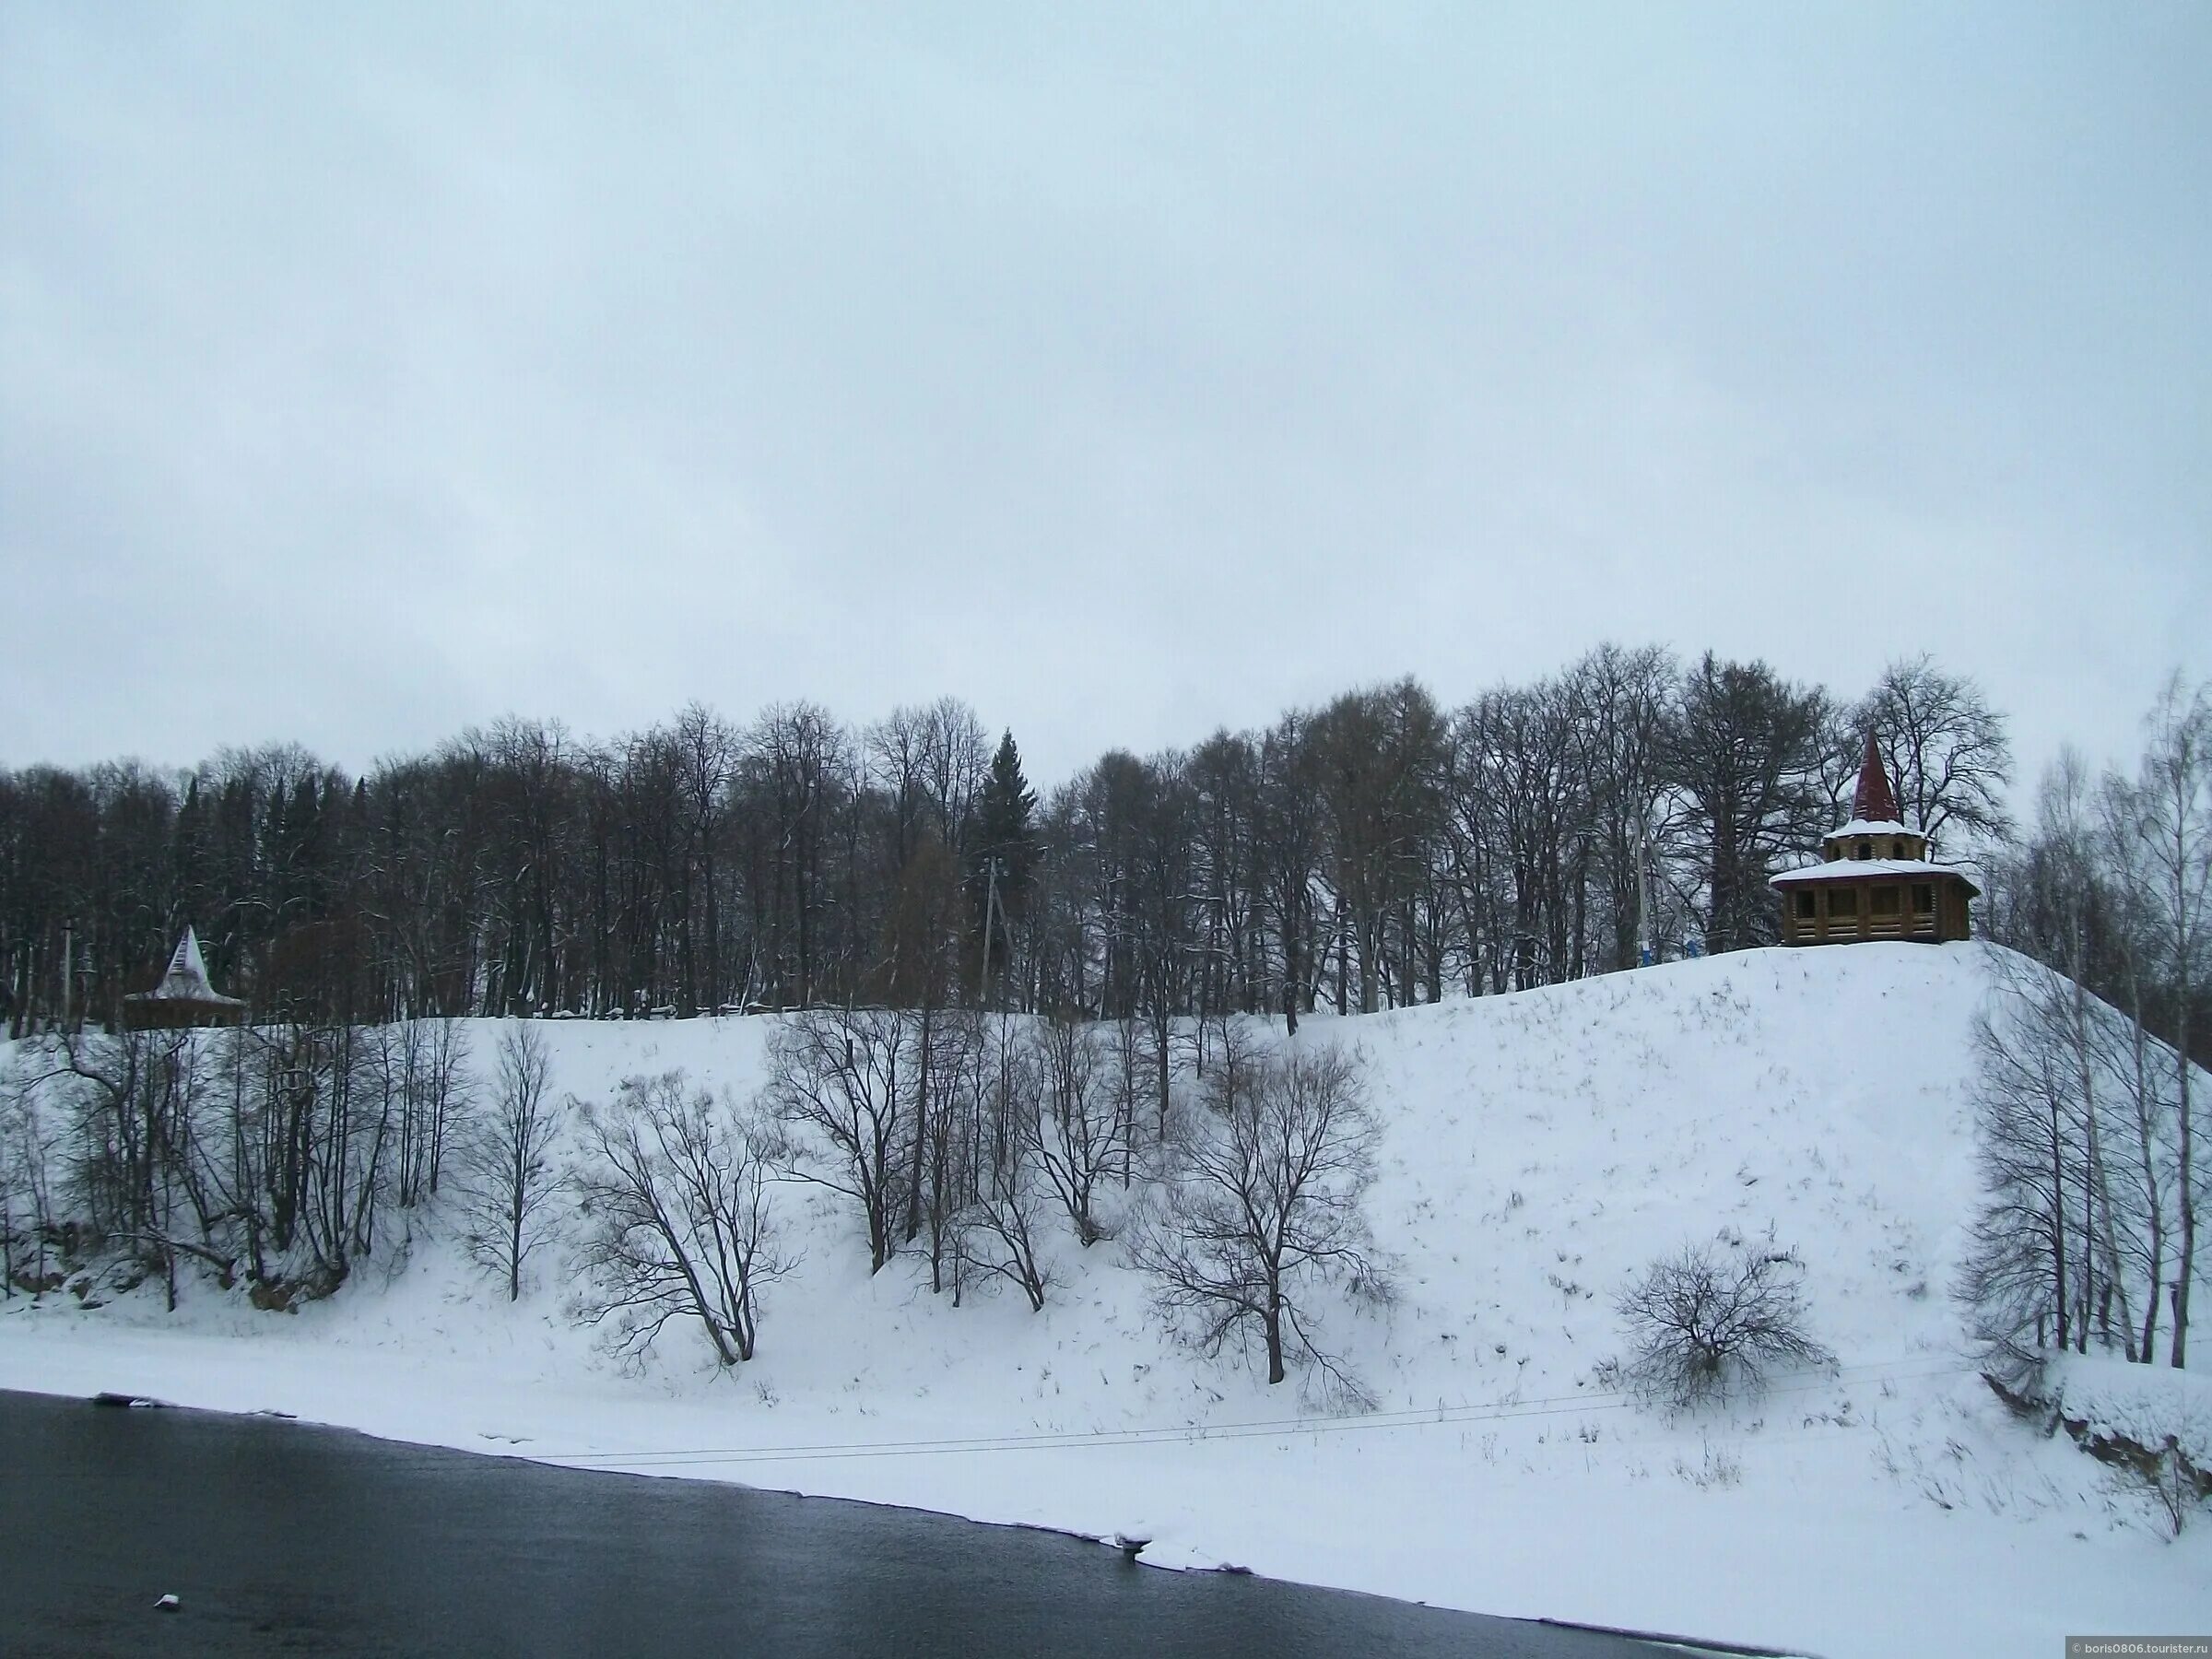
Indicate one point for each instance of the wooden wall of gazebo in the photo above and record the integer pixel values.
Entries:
(1846, 911)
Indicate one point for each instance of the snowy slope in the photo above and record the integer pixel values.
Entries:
(1540, 1148)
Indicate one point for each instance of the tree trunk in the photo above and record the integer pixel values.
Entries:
(913, 1185)
(2186, 1153)
(1274, 1321)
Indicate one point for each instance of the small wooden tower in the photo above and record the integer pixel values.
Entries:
(1874, 880)
(184, 998)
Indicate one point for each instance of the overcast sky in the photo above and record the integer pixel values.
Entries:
(368, 372)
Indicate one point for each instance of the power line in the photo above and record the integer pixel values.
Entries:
(1195, 1433)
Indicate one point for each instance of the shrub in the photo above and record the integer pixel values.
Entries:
(1704, 1327)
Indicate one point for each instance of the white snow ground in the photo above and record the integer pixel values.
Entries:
(1540, 1147)
(2146, 1404)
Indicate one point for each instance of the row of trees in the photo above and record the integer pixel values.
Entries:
(2091, 1116)
(285, 1156)
(276, 1154)
(1373, 852)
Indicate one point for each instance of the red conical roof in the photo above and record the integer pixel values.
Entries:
(1874, 802)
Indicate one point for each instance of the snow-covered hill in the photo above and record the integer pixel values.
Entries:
(1540, 1148)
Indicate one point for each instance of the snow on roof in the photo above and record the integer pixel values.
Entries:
(1843, 869)
(187, 962)
(186, 980)
(1874, 827)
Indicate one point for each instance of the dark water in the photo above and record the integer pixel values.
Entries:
(279, 1539)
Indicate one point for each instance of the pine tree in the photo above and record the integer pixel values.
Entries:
(1006, 840)
(1006, 829)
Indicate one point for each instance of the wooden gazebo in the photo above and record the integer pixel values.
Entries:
(185, 997)
(1874, 880)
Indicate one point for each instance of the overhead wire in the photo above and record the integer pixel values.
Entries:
(1499, 1410)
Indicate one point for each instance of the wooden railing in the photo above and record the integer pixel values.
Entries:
(1839, 930)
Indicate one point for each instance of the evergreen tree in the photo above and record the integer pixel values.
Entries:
(1006, 836)
(1006, 828)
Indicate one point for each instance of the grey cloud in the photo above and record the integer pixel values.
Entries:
(1124, 372)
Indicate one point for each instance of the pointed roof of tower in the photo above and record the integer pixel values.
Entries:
(1874, 802)
(187, 963)
(186, 980)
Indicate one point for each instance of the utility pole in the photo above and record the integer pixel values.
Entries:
(990, 911)
(1643, 894)
(68, 964)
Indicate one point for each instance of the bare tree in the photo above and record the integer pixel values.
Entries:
(2173, 827)
(425, 1063)
(1946, 748)
(1075, 1131)
(892, 752)
(835, 1076)
(1519, 785)
(919, 970)
(336, 1136)
(511, 1178)
(794, 765)
(999, 1233)
(707, 747)
(1260, 1208)
(28, 1148)
(2023, 1250)
(1292, 828)
(2084, 1115)
(674, 1194)
(1224, 773)
(949, 1119)
(999, 1230)
(1381, 757)
(1127, 1061)
(2143, 1173)
(1625, 700)
(1702, 1328)
(1159, 921)
(1745, 756)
